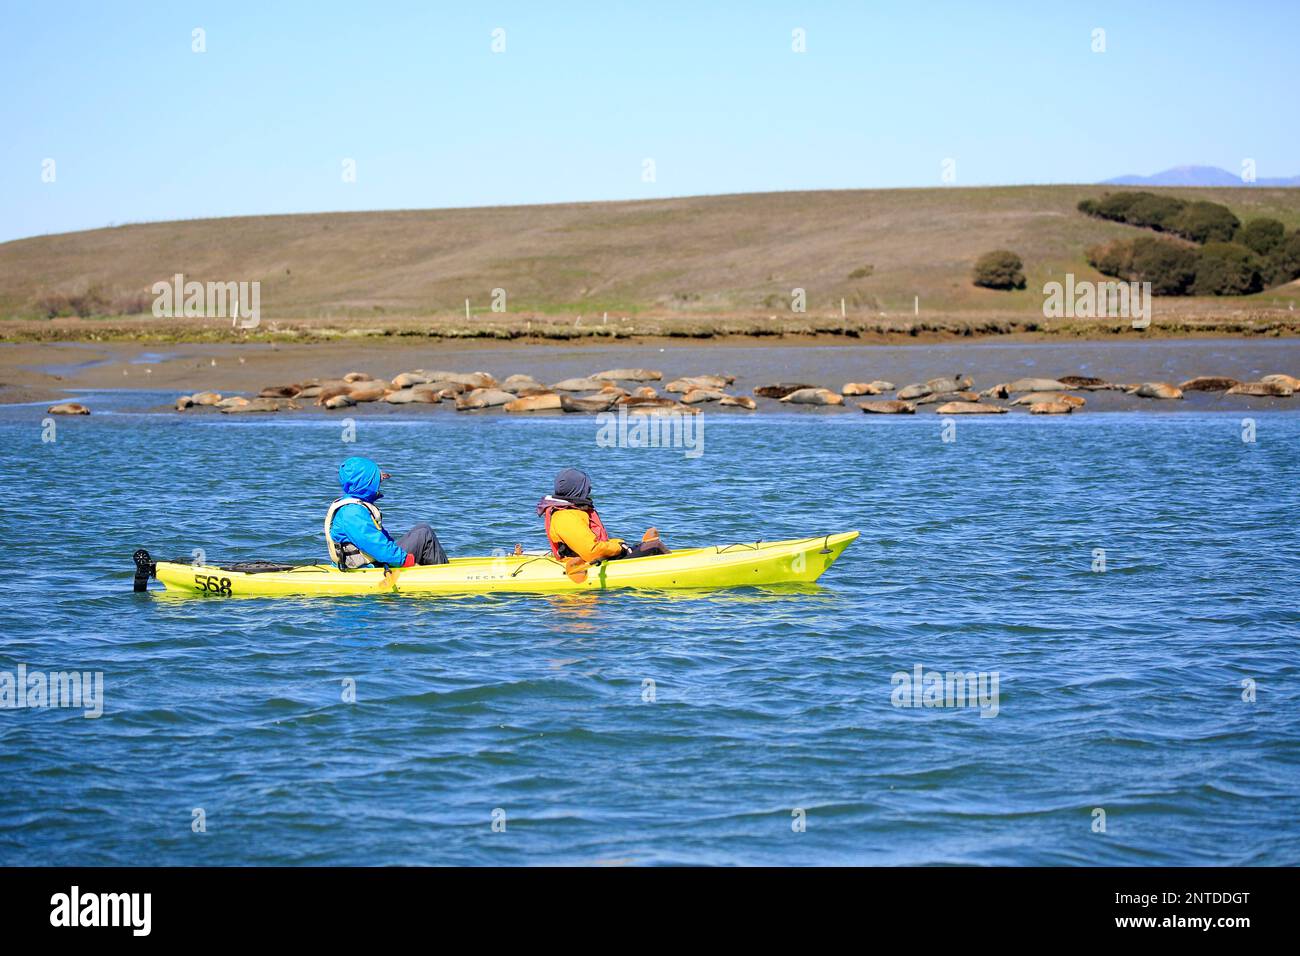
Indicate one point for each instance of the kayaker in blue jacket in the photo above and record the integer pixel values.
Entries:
(354, 526)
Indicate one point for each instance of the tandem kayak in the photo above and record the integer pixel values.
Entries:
(721, 566)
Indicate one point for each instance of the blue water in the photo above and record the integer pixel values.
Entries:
(1119, 689)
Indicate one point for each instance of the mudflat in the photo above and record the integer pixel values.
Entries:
(31, 372)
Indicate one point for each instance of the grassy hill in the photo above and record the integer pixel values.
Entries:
(708, 257)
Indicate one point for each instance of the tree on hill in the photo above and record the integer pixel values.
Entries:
(1206, 222)
(1200, 221)
(999, 269)
(1169, 266)
(1284, 261)
(1155, 212)
(1226, 268)
(1262, 235)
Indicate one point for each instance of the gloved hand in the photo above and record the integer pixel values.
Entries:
(409, 562)
(613, 548)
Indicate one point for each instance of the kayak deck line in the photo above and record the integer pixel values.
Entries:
(743, 564)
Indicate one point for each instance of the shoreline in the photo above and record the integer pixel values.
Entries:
(1194, 319)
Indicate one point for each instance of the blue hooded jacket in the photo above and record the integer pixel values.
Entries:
(359, 478)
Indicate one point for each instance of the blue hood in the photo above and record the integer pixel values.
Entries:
(359, 478)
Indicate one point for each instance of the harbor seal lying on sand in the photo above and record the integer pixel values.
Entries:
(521, 383)
(958, 383)
(1051, 408)
(1036, 385)
(890, 407)
(685, 384)
(482, 398)
(1208, 383)
(631, 374)
(1047, 398)
(1261, 388)
(540, 402)
(814, 396)
(916, 390)
(581, 385)
(1290, 381)
(646, 401)
(280, 391)
(779, 390)
(407, 396)
(969, 408)
(1084, 381)
(949, 397)
(589, 404)
(261, 405)
(1156, 390)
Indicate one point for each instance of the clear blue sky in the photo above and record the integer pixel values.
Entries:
(141, 128)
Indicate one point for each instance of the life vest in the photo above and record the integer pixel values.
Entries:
(593, 521)
(347, 555)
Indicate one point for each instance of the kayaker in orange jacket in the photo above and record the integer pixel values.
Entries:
(574, 529)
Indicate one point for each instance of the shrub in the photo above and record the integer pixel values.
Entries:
(1206, 222)
(1226, 268)
(89, 301)
(1262, 236)
(862, 272)
(85, 301)
(1155, 212)
(52, 304)
(999, 269)
(1169, 266)
(1113, 258)
(1284, 262)
(1199, 221)
(1116, 205)
(131, 303)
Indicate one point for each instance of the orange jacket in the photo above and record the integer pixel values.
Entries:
(577, 530)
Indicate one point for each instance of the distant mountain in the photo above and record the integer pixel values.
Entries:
(1197, 176)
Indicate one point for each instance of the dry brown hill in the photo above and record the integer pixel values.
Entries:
(735, 255)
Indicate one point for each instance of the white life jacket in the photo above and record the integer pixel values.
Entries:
(348, 555)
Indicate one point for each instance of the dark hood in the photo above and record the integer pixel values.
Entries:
(573, 486)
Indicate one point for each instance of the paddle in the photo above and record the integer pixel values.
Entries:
(576, 569)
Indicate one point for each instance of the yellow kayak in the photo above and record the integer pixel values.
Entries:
(721, 566)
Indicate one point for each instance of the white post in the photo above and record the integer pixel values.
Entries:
(842, 312)
(467, 308)
(916, 306)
